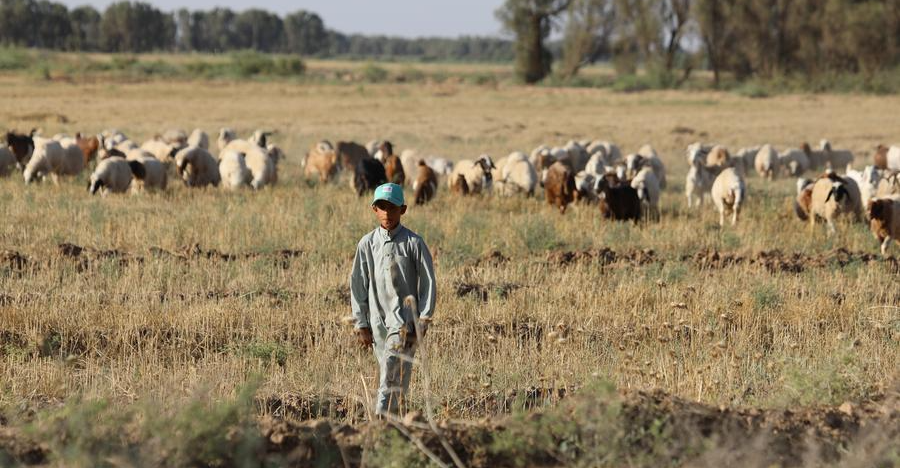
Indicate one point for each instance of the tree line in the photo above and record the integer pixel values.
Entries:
(671, 38)
(136, 27)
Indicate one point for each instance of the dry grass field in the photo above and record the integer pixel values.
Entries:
(197, 294)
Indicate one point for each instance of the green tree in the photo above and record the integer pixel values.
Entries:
(136, 27)
(85, 25)
(589, 27)
(259, 30)
(531, 21)
(304, 33)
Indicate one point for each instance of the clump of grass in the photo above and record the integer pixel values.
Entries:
(372, 73)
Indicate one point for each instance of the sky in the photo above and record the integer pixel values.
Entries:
(406, 18)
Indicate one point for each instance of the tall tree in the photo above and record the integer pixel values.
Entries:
(85, 24)
(136, 27)
(531, 22)
(589, 27)
(258, 30)
(304, 33)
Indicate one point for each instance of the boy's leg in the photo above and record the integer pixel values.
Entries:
(394, 372)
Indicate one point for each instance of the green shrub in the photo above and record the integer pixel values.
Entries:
(753, 90)
(630, 84)
(12, 58)
(372, 73)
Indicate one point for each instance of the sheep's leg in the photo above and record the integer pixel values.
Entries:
(721, 217)
(885, 245)
(734, 216)
(690, 199)
(831, 229)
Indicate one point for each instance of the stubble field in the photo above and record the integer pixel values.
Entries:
(164, 300)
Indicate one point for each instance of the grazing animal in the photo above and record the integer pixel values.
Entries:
(884, 220)
(646, 157)
(458, 185)
(175, 137)
(233, 170)
(21, 145)
(441, 166)
(382, 150)
(225, 136)
(260, 138)
(197, 167)
(618, 201)
(888, 185)
(515, 174)
(393, 168)
(803, 201)
(728, 194)
(51, 158)
(199, 138)
(426, 183)
(718, 156)
(833, 196)
(698, 183)
(649, 190)
(477, 174)
(576, 155)
(368, 175)
(835, 158)
(321, 160)
(887, 158)
(766, 162)
(89, 147)
(161, 150)
(585, 184)
(113, 175)
(794, 161)
(154, 175)
(349, 155)
(867, 181)
(263, 168)
(559, 186)
(747, 157)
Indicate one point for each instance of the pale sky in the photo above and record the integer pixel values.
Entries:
(407, 18)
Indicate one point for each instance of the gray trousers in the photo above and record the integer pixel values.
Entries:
(394, 358)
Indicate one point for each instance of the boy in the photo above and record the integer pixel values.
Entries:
(391, 286)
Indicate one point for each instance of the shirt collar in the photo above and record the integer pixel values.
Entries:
(389, 235)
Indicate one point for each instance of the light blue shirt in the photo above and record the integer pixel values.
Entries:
(388, 267)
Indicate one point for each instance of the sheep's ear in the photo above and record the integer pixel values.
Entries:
(137, 169)
(830, 193)
(182, 166)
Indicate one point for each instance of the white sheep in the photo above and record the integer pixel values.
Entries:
(596, 165)
(577, 155)
(198, 138)
(409, 159)
(175, 137)
(698, 183)
(516, 175)
(260, 137)
(747, 157)
(113, 175)
(477, 174)
(50, 158)
(696, 152)
(586, 186)
(154, 174)
(196, 167)
(233, 170)
(834, 196)
(648, 188)
(612, 151)
(835, 158)
(766, 162)
(728, 193)
(888, 184)
(867, 181)
(225, 136)
(262, 167)
(794, 161)
(161, 150)
(647, 157)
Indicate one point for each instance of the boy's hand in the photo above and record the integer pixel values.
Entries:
(364, 337)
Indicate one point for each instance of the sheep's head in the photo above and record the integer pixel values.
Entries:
(21, 145)
(825, 145)
(838, 192)
(806, 148)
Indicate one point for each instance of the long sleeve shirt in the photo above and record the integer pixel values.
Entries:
(389, 267)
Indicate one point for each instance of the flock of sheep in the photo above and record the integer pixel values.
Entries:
(625, 187)
(629, 187)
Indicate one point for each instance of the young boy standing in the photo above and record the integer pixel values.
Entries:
(392, 286)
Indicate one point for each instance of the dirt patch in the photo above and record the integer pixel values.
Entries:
(776, 261)
(603, 256)
(485, 291)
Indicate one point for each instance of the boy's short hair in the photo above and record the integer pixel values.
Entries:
(389, 192)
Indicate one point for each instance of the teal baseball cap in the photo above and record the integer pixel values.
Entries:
(389, 192)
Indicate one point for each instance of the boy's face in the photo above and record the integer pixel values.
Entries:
(388, 213)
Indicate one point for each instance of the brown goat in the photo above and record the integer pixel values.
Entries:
(884, 220)
(459, 186)
(89, 147)
(559, 186)
(349, 154)
(426, 183)
(322, 160)
(22, 145)
(394, 169)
